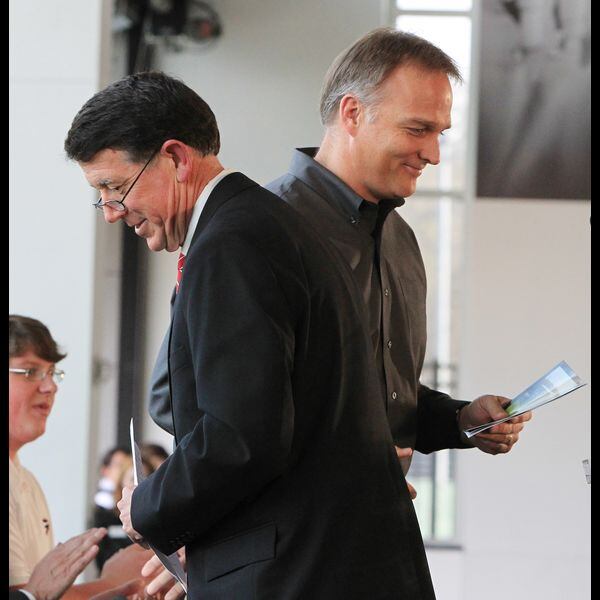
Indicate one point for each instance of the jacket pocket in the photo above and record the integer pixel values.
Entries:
(239, 551)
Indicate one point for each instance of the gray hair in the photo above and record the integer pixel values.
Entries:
(361, 69)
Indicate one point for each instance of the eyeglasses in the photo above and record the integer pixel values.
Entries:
(119, 205)
(39, 374)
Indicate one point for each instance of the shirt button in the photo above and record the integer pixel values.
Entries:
(389, 344)
(386, 292)
(394, 395)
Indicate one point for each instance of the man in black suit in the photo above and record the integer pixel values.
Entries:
(284, 482)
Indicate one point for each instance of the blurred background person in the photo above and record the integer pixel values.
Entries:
(116, 466)
(153, 455)
(117, 472)
(110, 472)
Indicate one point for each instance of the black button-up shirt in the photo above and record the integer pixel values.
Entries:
(384, 255)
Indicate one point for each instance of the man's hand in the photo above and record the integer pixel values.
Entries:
(163, 584)
(57, 571)
(124, 506)
(406, 453)
(500, 438)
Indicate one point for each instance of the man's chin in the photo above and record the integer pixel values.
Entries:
(406, 190)
(155, 245)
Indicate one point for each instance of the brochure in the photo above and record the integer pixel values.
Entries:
(556, 383)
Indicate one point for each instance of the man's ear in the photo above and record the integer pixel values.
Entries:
(180, 154)
(351, 113)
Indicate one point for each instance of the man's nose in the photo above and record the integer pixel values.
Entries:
(430, 152)
(112, 215)
(48, 385)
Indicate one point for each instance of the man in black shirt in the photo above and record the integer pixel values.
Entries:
(385, 102)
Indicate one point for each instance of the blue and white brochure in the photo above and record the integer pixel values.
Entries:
(557, 382)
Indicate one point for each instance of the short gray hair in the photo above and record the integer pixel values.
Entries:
(363, 67)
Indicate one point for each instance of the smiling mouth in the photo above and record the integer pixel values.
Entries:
(414, 170)
(139, 225)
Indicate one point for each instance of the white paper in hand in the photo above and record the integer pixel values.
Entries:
(170, 562)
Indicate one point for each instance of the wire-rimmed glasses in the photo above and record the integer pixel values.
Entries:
(34, 374)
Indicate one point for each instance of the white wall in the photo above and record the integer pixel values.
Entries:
(525, 517)
(54, 67)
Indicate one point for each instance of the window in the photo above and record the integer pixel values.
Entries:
(436, 212)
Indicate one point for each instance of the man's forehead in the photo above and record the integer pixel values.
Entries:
(424, 103)
(106, 167)
(30, 357)
(109, 155)
(412, 81)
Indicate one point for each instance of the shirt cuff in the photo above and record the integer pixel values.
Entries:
(463, 436)
(28, 594)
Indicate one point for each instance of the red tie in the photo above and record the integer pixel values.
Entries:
(180, 263)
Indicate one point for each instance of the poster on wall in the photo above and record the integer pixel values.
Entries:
(534, 99)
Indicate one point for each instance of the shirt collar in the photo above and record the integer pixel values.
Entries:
(331, 187)
(323, 181)
(199, 207)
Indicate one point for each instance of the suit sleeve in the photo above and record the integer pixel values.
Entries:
(241, 345)
(436, 421)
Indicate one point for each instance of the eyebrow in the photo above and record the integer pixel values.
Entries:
(427, 124)
(30, 364)
(106, 183)
(103, 183)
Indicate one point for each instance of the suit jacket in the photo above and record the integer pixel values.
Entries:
(159, 400)
(284, 483)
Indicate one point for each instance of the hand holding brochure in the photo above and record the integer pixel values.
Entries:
(555, 383)
(170, 562)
